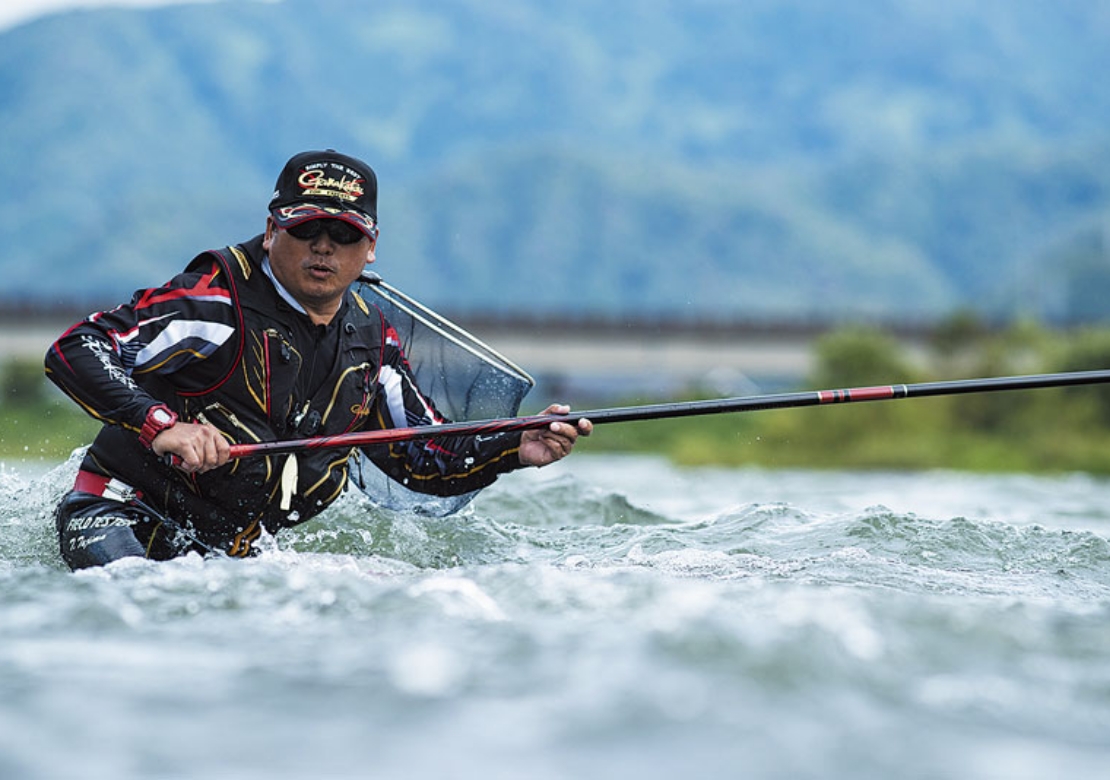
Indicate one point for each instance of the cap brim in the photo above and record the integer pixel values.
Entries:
(291, 216)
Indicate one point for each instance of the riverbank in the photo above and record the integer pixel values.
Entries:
(1037, 431)
(907, 435)
(1050, 431)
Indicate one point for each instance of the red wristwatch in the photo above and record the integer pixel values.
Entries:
(158, 418)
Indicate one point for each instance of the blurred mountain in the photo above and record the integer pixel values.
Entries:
(707, 159)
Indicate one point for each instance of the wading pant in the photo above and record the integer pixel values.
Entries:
(97, 524)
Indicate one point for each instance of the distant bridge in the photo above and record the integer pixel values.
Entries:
(570, 362)
(25, 342)
(585, 362)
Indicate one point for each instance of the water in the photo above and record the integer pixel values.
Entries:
(604, 618)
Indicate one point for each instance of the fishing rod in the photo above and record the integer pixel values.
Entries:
(664, 411)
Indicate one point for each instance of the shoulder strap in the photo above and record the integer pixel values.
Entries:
(236, 266)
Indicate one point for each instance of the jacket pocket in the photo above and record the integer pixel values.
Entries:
(351, 399)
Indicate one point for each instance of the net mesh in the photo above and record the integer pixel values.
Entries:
(464, 378)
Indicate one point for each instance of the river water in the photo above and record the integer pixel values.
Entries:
(604, 618)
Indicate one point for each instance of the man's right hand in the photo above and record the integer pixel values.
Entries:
(197, 448)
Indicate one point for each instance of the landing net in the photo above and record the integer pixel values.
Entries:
(464, 378)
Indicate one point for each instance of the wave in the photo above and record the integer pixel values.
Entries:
(570, 522)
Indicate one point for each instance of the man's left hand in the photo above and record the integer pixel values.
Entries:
(542, 446)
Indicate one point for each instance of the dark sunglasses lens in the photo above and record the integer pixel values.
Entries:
(343, 233)
(340, 232)
(306, 231)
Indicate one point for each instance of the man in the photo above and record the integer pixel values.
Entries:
(261, 341)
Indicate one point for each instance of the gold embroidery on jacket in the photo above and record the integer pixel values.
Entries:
(244, 264)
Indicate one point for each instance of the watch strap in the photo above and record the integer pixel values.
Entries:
(158, 418)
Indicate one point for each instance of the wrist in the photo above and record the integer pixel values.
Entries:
(158, 418)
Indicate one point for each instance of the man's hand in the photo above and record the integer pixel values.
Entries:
(542, 446)
(194, 447)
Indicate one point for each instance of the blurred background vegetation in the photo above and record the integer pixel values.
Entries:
(1049, 430)
(756, 161)
(37, 423)
(1046, 430)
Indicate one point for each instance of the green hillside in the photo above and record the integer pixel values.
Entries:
(772, 159)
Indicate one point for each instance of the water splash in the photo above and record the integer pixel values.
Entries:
(28, 497)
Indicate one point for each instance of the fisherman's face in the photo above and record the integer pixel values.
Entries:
(316, 271)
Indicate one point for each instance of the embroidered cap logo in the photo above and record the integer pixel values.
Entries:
(317, 182)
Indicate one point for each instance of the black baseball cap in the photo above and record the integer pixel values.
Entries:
(326, 185)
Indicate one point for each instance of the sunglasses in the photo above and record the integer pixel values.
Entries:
(340, 232)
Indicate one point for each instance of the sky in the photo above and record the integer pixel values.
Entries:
(15, 12)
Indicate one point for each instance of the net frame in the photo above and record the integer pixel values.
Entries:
(463, 376)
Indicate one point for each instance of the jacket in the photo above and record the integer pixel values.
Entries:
(223, 343)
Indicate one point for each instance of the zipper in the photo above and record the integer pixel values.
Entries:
(222, 411)
(286, 353)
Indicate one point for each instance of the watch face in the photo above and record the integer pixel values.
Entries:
(161, 416)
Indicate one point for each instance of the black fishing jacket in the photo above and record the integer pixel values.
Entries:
(222, 343)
